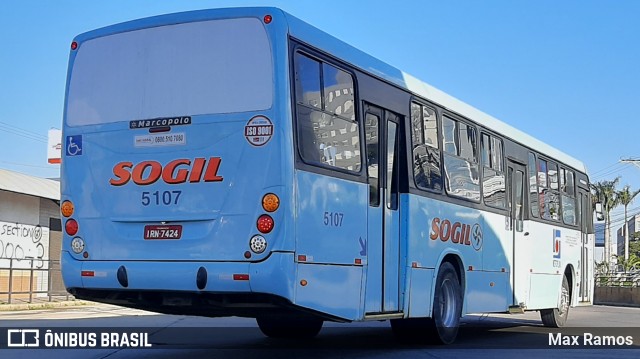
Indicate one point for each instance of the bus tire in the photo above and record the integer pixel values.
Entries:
(447, 305)
(289, 327)
(442, 327)
(557, 317)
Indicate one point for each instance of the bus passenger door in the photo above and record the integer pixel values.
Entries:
(520, 264)
(382, 244)
(585, 258)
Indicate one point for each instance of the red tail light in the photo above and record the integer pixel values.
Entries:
(265, 223)
(71, 227)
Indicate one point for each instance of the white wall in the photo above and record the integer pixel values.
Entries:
(23, 235)
(19, 208)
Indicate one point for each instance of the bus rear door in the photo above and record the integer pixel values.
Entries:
(585, 256)
(383, 245)
(521, 247)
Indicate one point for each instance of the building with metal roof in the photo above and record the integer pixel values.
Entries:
(30, 235)
(33, 186)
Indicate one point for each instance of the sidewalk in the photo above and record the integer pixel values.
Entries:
(44, 305)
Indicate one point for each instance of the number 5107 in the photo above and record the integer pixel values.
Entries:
(157, 198)
(333, 219)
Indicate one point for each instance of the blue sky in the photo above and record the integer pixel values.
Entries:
(566, 72)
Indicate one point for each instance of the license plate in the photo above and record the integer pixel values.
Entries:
(162, 232)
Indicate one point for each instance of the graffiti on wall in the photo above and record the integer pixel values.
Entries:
(23, 243)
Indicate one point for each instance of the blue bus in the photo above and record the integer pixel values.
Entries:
(240, 162)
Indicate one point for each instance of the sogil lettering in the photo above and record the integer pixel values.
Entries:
(456, 232)
(445, 230)
(174, 172)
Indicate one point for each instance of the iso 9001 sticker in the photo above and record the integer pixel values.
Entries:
(258, 130)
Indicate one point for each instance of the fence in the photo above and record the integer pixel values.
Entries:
(631, 280)
(30, 281)
(617, 276)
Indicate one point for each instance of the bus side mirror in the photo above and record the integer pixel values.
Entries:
(599, 214)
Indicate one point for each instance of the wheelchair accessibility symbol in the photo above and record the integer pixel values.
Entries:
(74, 145)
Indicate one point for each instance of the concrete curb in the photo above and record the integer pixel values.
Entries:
(44, 305)
(622, 296)
(617, 304)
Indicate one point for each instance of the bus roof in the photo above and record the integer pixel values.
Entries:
(319, 39)
(323, 41)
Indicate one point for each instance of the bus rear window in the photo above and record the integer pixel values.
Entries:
(208, 67)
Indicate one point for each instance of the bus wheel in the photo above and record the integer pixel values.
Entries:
(442, 328)
(447, 305)
(557, 317)
(289, 327)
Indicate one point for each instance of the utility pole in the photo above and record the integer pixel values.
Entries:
(632, 161)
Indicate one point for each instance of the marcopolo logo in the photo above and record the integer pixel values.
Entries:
(457, 232)
(160, 122)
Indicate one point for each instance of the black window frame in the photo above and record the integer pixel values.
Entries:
(423, 135)
(533, 196)
(319, 167)
(562, 179)
(491, 138)
(548, 188)
(477, 129)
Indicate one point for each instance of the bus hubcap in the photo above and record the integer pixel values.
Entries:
(448, 304)
(564, 300)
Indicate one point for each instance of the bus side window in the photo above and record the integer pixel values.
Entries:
(328, 133)
(570, 211)
(462, 177)
(338, 92)
(371, 130)
(493, 177)
(519, 214)
(308, 81)
(426, 152)
(533, 186)
(549, 201)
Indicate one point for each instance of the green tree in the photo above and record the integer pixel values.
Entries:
(625, 197)
(604, 192)
(629, 263)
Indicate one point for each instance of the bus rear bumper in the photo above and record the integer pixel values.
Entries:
(272, 276)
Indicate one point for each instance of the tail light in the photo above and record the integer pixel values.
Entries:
(71, 227)
(265, 223)
(77, 245)
(67, 208)
(258, 244)
(270, 202)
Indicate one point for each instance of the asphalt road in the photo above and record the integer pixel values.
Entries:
(487, 336)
